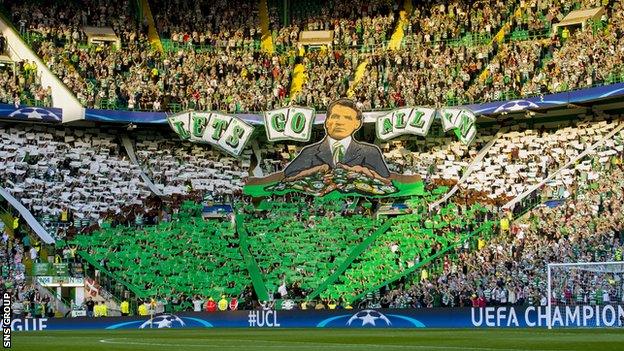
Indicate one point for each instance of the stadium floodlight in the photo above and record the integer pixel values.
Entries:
(585, 294)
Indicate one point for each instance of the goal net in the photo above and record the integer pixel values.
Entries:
(589, 294)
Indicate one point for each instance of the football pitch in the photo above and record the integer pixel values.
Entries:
(325, 339)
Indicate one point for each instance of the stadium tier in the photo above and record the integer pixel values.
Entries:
(446, 54)
(55, 169)
(168, 163)
(178, 167)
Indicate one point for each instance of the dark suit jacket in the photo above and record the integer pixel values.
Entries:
(357, 154)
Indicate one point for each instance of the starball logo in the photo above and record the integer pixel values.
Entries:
(370, 319)
(163, 321)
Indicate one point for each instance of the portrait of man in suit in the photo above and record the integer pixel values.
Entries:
(339, 149)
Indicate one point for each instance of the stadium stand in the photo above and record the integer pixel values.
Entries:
(442, 21)
(20, 252)
(178, 168)
(441, 158)
(518, 160)
(183, 169)
(20, 85)
(13, 256)
(202, 67)
(510, 268)
(361, 23)
(413, 240)
(207, 23)
(550, 62)
(150, 259)
(404, 78)
(80, 183)
(54, 171)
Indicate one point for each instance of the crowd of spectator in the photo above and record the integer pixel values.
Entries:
(74, 179)
(556, 62)
(281, 227)
(521, 159)
(185, 169)
(138, 78)
(20, 84)
(353, 23)
(18, 253)
(53, 171)
(13, 254)
(535, 16)
(587, 57)
(510, 268)
(230, 73)
(436, 20)
(207, 23)
(419, 75)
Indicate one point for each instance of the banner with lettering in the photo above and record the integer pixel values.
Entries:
(231, 133)
(462, 122)
(339, 164)
(290, 123)
(223, 131)
(418, 120)
(409, 120)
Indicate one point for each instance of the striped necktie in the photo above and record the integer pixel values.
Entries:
(338, 152)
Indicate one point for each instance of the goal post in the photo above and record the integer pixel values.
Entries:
(585, 294)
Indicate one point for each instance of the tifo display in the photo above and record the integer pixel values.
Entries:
(312, 164)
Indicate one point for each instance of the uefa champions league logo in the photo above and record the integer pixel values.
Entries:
(163, 321)
(515, 106)
(35, 113)
(368, 317)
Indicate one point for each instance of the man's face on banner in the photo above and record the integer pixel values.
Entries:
(342, 122)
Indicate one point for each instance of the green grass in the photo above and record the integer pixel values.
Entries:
(325, 339)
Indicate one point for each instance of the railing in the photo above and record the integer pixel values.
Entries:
(27, 216)
(524, 206)
(526, 35)
(469, 40)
